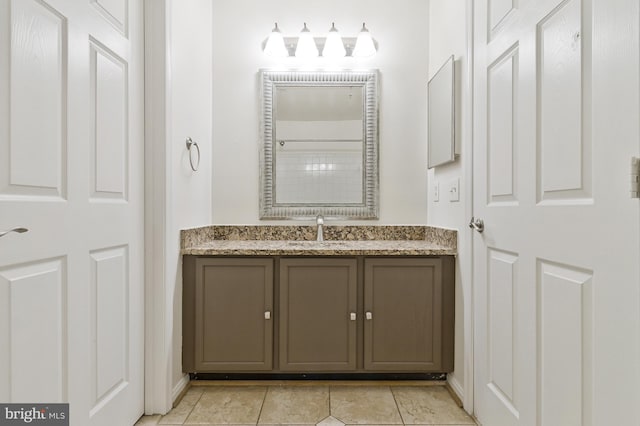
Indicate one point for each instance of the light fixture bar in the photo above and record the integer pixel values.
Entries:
(308, 46)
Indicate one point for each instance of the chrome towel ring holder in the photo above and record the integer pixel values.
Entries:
(191, 143)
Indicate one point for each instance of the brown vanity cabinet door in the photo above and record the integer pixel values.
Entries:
(318, 303)
(234, 308)
(403, 324)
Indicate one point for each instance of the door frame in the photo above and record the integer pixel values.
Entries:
(158, 392)
(468, 87)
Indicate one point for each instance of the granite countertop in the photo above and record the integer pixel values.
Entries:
(229, 240)
(320, 248)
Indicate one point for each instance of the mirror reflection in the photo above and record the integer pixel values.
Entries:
(319, 151)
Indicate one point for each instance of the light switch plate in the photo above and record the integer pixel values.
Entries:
(454, 190)
(436, 192)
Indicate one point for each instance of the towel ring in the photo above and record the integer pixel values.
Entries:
(191, 143)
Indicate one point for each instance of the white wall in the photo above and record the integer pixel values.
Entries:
(447, 36)
(240, 27)
(189, 200)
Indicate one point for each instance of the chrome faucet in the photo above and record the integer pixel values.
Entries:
(320, 223)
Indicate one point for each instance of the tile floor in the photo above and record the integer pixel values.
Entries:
(318, 404)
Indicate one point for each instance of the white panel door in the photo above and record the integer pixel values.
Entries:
(71, 171)
(556, 271)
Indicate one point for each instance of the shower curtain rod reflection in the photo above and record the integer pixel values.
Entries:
(282, 142)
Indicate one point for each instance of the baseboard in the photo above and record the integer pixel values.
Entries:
(179, 389)
(456, 389)
(438, 377)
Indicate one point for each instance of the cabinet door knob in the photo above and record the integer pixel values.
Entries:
(369, 315)
(352, 316)
(267, 315)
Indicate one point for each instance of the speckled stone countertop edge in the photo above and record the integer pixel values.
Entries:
(381, 240)
(311, 252)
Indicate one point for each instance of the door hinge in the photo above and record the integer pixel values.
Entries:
(635, 177)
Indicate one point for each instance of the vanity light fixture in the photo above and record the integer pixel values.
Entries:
(306, 47)
(333, 46)
(365, 46)
(275, 44)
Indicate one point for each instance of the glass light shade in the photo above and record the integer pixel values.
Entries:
(333, 46)
(275, 44)
(306, 47)
(364, 44)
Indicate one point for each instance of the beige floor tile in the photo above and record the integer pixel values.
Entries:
(364, 405)
(148, 420)
(429, 406)
(228, 405)
(193, 392)
(295, 405)
(180, 412)
(330, 421)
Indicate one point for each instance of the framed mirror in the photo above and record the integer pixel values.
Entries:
(441, 116)
(319, 152)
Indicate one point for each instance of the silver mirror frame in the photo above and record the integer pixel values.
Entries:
(368, 79)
